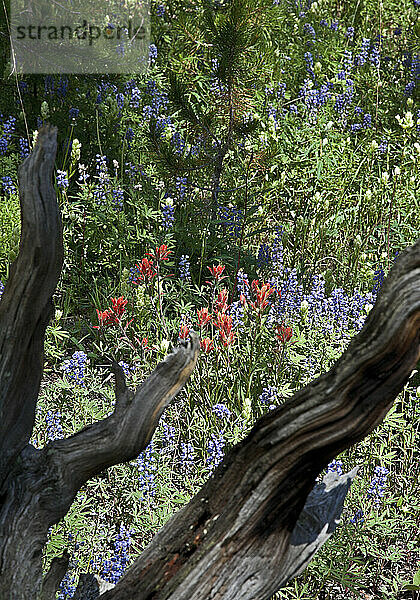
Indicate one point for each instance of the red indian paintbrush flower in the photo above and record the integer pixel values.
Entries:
(206, 345)
(221, 304)
(110, 316)
(144, 344)
(106, 318)
(203, 316)
(118, 305)
(145, 271)
(183, 332)
(216, 271)
(160, 253)
(284, 334)
(262, 294)
(224, 324)
(227, 338)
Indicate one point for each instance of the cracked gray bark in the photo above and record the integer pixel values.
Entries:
(259, 519)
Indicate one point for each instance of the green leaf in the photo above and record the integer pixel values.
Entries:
(410, 587)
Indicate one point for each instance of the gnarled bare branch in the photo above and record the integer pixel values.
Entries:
(46, 483)
(123, 435)
(54, 576)
(26, 304)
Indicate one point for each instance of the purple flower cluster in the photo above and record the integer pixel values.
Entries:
(104, 89)
(120, 98)
(231, 220)
(269, 396)
(162, 123)
(8, 127)
(340, 313)
(264, 256)
(291, 290)
(73, 113)
(152, 53)
(158, 101)
(59, 90)
(181, 186)
(1, 289)
(178, 142)
(272, 112)
(74, 368)
(113, 568)
(103, 189)
(364, 51)
(146, 465)
(8, 185)
(129, 135)
(414, 74)
(378, 280)
(117, 199)
(310, 32)
(168, 215)
(358, 517)
(335, 466)
(343, 101)
(168, 433)
(53, 422)
(347, 61)
(276, 252)
(67, 585)
(135, 97)
(215, 451)
(314, 98)
(186, 457)
(184, 267)
(365, 124)
(377, 485)
(103, 185)
(242, 284)
(23, 148)
(130, 170)
(367, 121)
(221, 411)
(277, 93)
(309, 64)
(383, 146)
(62, 180)
(375, 56)
(237, 311)
(127, 369)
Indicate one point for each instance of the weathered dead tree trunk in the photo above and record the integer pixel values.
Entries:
(259, 519)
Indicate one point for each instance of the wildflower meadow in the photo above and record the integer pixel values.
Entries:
(255, 186)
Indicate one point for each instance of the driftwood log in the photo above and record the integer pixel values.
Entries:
(260, 518)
